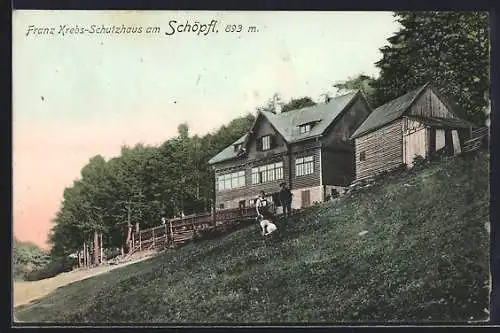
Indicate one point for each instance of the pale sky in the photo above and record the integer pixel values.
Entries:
(79, 95)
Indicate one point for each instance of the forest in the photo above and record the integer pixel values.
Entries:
(145, 183)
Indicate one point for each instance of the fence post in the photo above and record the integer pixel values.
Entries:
(171, 231)
(87, 264)
(101, 247)
(140, 241)
(132, 246)
(83, 255)
(166, 234)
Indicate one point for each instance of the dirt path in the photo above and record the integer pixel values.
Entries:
(27, 291)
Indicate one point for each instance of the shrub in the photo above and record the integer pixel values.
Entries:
(53, 268)
(26, 257)
(111, 253)
(419, 163)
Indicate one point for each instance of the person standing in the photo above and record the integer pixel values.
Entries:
(263, 206)
(286, 200)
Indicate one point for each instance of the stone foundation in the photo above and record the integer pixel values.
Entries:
(340, 190)
(316, 195)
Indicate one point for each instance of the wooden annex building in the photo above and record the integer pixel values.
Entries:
(308, 148)
(416, 124)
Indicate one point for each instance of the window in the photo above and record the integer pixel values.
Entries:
(267, 173)
(255, 176)
(237, 147)
(279, 170)
(263, 173)
(266, 142)
(241, 179)
(305, 128)
(231, 180)
(362, 156)
(304, 166)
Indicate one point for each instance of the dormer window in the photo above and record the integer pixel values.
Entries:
(237, 147)
(305, 128)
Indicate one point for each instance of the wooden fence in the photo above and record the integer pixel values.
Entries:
(182, 229)
(477, 139)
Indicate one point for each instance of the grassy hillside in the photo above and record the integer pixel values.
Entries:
(425, 257)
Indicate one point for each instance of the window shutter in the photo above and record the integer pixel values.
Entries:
(259, 144)
(273, 141)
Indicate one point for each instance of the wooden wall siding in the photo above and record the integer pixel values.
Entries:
(268, 187)
(440, 139)
(302, 146)
(231, 165)
(342, 130)
(262, 128)
(339, 164)
(415, 140)
(429, 105)
(339, 168)
(383, 149)
(300, 149)
(251, 189)
(244, 163)
(310, 180)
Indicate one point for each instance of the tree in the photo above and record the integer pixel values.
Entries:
(271, 104)
(183, 130)
(360, 82)
(141, 185)
(298, 103)
(448, 49)
(276, 102)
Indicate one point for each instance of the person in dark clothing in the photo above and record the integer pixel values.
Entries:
(286, 200)
(263, 206)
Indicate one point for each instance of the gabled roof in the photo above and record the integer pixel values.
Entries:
(228, 152)
(287, 123)
(397, 107)
(388, 112)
